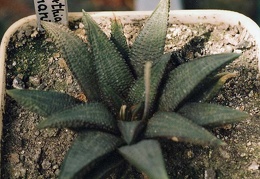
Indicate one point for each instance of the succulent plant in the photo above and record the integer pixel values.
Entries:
(135, 97)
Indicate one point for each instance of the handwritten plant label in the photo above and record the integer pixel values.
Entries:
(51, 11)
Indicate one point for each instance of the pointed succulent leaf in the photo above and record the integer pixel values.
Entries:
(87, 150)
(92, 115)
(137, 92)
(185, 78)
(205, 114)
(149, 44)
(43, 103)
(129, 130)
(212, 86)
(118, 37)
(147, 157)
(78, 57)
(111, 99)
(174, 126)
(112, 70)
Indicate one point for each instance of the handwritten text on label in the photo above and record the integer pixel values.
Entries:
(52, 11)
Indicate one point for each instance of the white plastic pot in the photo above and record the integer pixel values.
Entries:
(184, 16)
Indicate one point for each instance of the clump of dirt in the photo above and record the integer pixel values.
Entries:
(34, 63)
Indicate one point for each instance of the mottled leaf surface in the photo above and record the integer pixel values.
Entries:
(77, 56)
(206, 114)
(111, 99)
(174, 126)
(87, 149)
(118, 38)
(137, 92)
(43, 102)
(147, 157)
(185, 78)
(149, 44)
(113, 72)
(92, 115)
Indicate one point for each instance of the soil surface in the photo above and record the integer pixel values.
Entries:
(34, 63)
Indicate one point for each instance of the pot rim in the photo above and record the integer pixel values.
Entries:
(182, 16)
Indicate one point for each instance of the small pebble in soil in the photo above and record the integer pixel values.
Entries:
(254, 166)
(34, 81)
(210, 174)
(14, 157)
(46, 164)
(18, 83)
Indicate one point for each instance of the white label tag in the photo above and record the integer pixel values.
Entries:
(51, 11)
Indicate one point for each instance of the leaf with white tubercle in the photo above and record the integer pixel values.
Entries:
(77, 56)
(147, 45)
(118, 38)
(205, 114)
(111, 68)
(88, 149)
(174, 126)
(137, 92)
(88, 115)
(185, 78)
(44, 103)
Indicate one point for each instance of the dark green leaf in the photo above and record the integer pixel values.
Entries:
(149, 44)
(147, 157)
(205, 114)
(113, 72)
(76, 54)
(137, 93)
(88, 149)
(43, 102)
(185, 78)
(111, 99)
(174, 126)
(129, 130)
(118, 38)
(92, 115)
